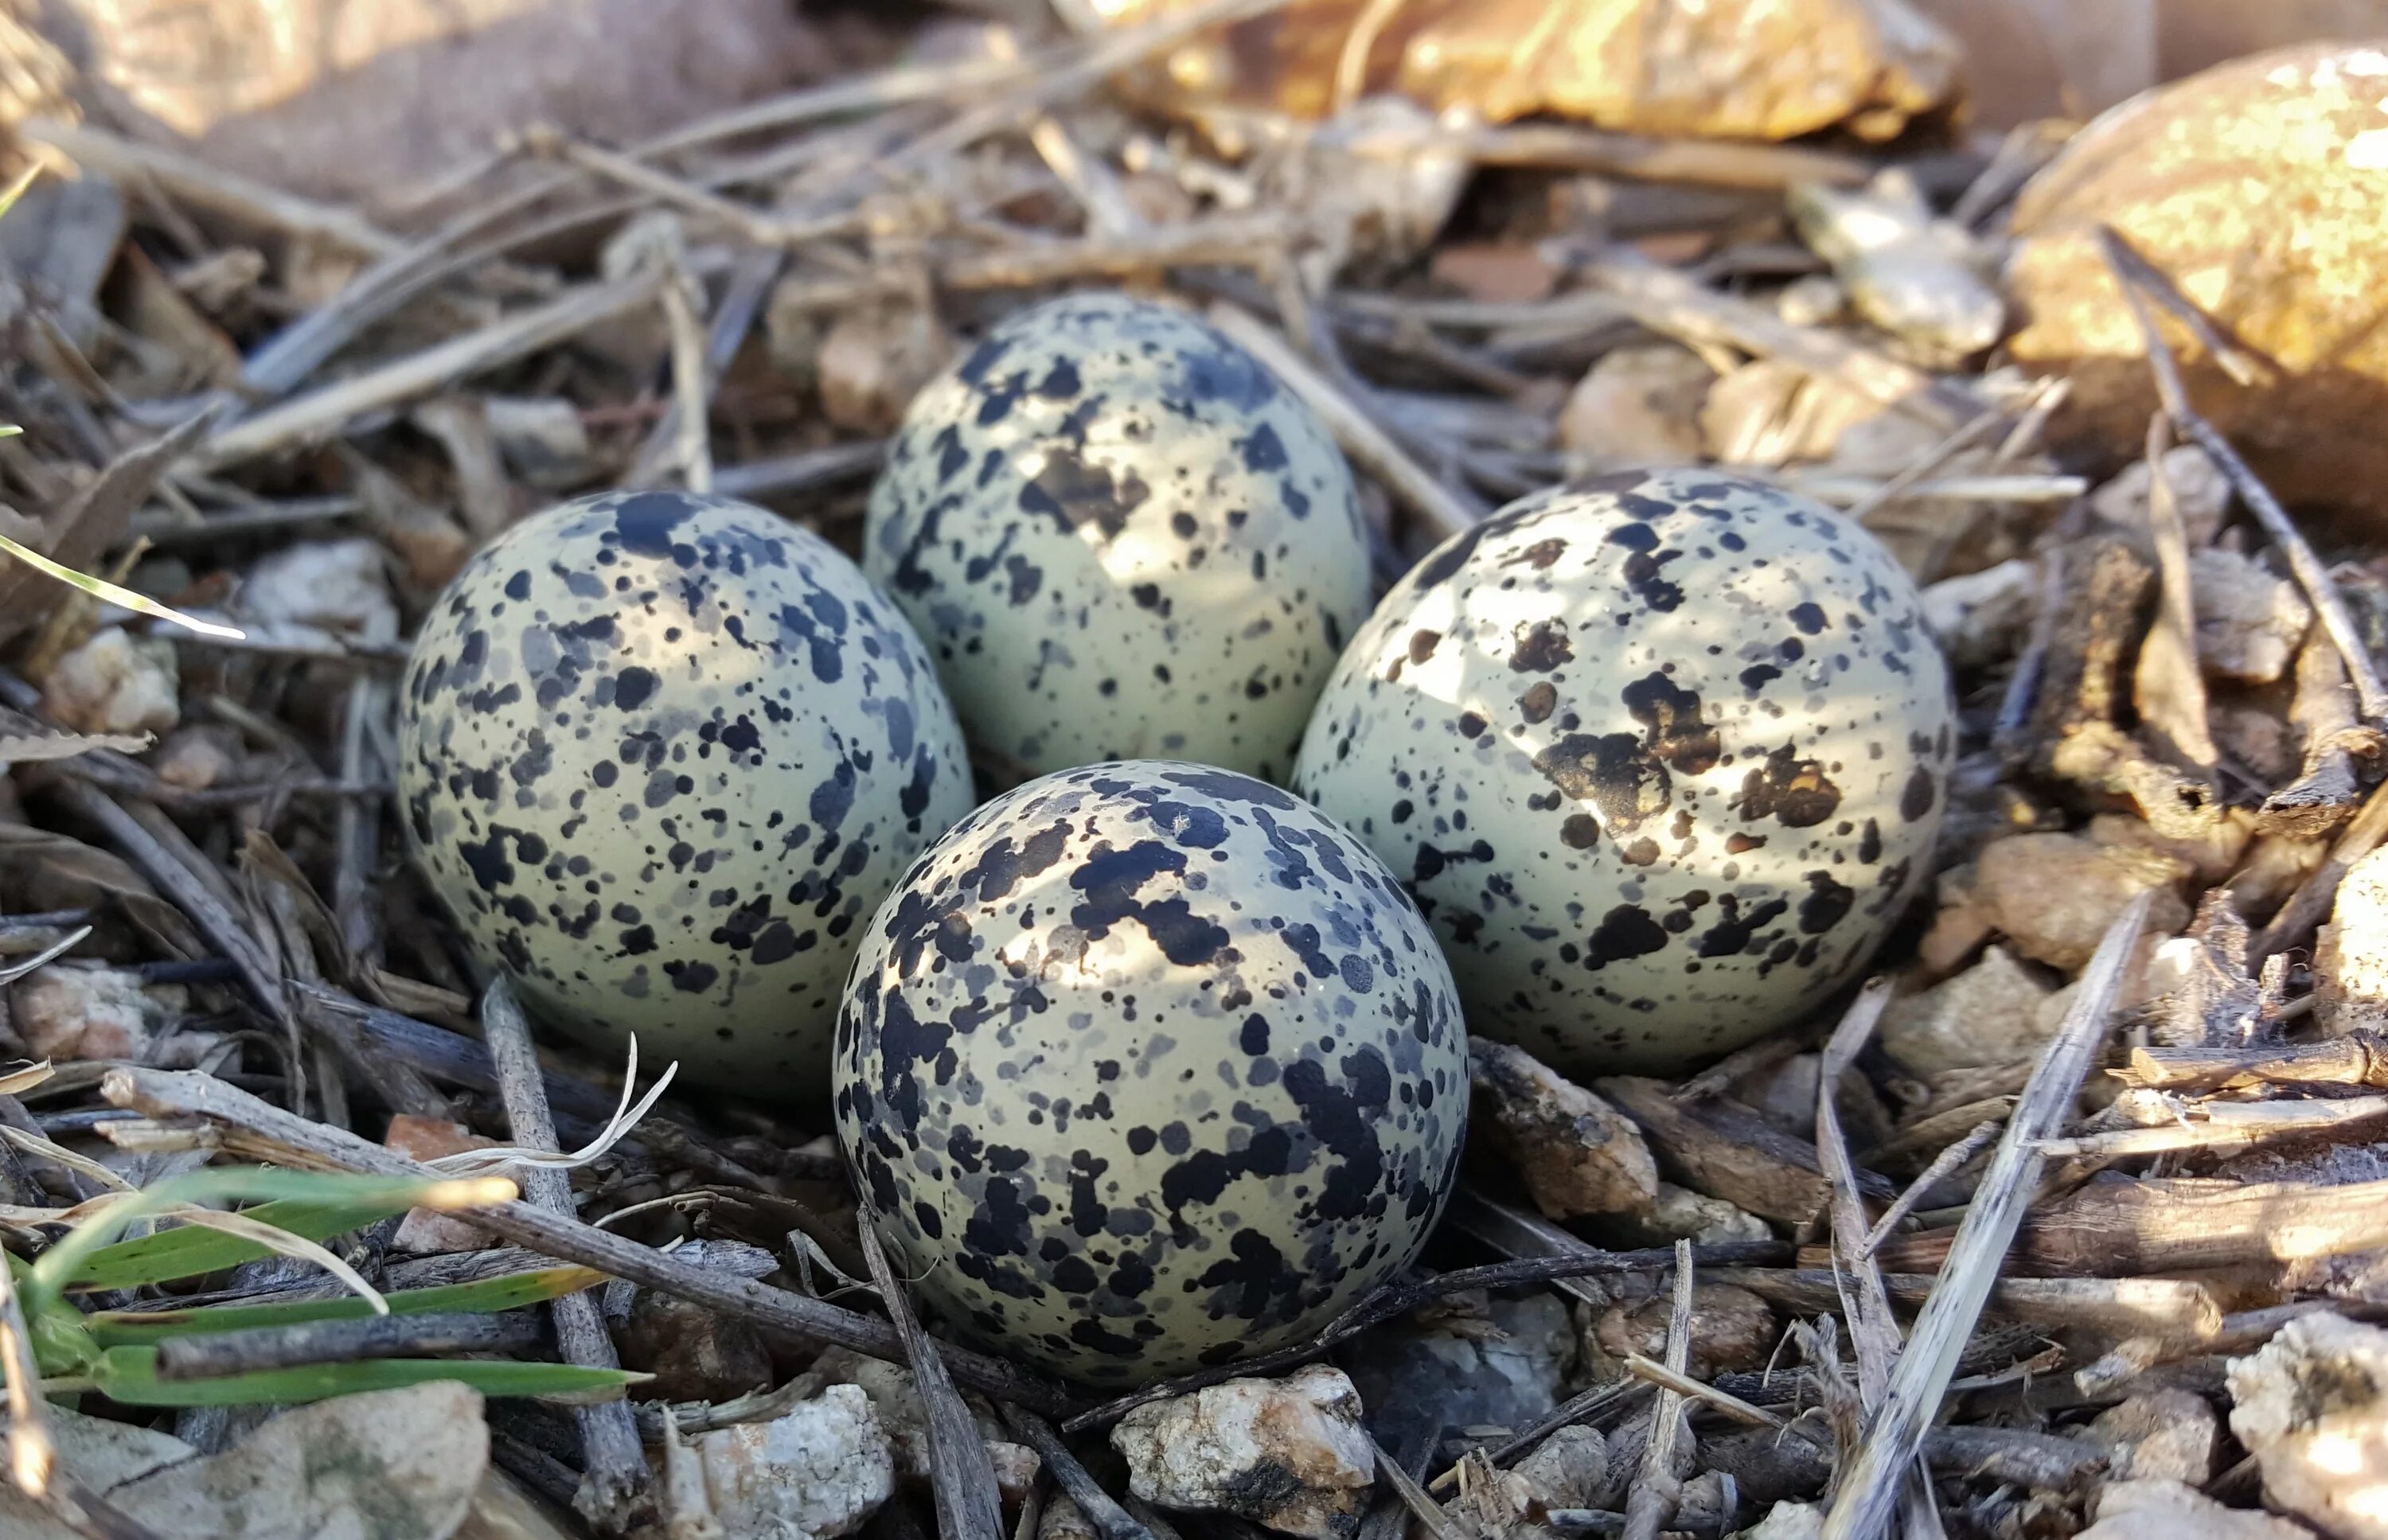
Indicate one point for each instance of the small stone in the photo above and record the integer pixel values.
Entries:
(815, 1474)
(1577, 1155)
(1016, 1468)
(84, 1011)
(1383, 208)
(1731, 1327)
(872, 362)
(1495, 1363)
(2312, 1405)
(1981, 617)
(1770, 412)
(2350, 960)
(1289, 1454)
(2155, 1508)
(2213, 854)
(695, 1353)
(1984, 1016)
(1813, 299)
(197, 757)
(1788, 1520)
(336, 586)
(2256, 739)
(2249, 623)
(116, 683)
(1680, 1213)
(1064, 1519)
(543, 440)
(2169, 1434)
(1569, 1469)
(2055, 895)
(1638, 406)
(1910, 273)
(1499, 273)
(426, 1230)
(2200, 493)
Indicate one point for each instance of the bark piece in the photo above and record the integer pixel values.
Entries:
(1720, 1147)
(1577, 1154)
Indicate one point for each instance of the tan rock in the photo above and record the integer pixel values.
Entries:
(2312, 1407)
(1577, 1154)
(1730, 69)
(2249, 623)
(1731, 1327)
(2350, 960)
(2213, 854)
(874, 361)
(1638, 406)
(83, 1011)
(2167, 1434)
(1986, 1015)
(1770, 412)
(2159, 1509)
(1289, 1454)
(2255, 187)
(2200, 495)
(115, 682)
(2055, 895)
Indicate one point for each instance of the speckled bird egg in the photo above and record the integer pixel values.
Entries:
(1148, 1066)
(662, 755)
(1660, 755)
(1121, 537)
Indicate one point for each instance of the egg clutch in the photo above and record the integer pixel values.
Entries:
(1158, 1059)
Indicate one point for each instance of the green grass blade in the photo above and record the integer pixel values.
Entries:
(101, 589)
(311, 1205)
(129, 1375)
(188, 1251)
(508, 1292)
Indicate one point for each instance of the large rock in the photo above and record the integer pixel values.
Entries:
(1728, 69)
(2257, 187)
(2312, 1407)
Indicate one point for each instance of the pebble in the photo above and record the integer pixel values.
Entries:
(1731, 1327)
(1288, 1454)
(77, 1011)
(1501, 1366)
(2199, 492)
(694, 1353)
(336, 586)
(1986, 1015)
(2162, 1433)
(1638, 406)
(115, 682)
(2249, 623)
(815, 1474)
